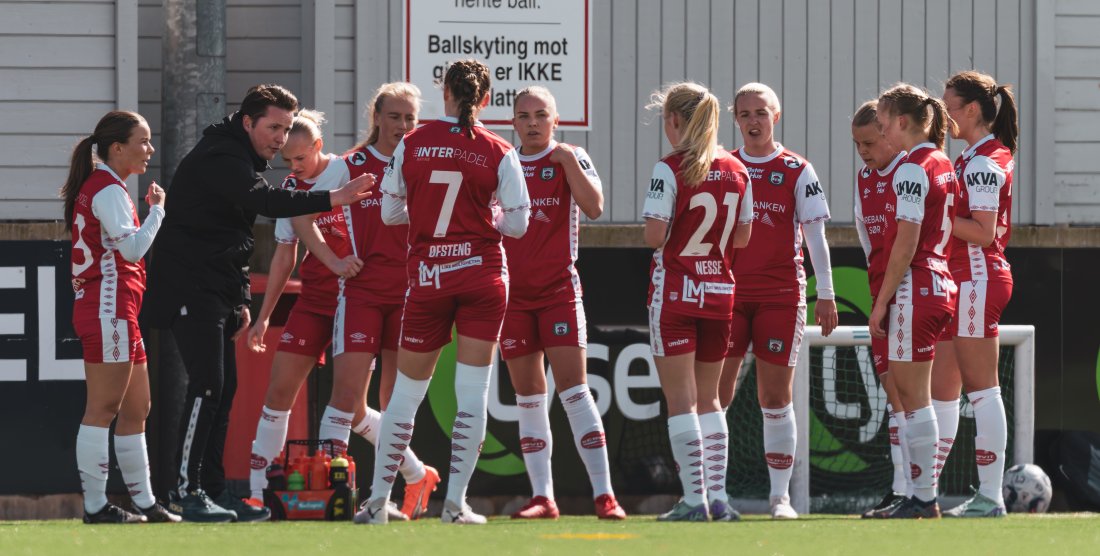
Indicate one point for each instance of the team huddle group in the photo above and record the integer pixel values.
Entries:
(420, 230)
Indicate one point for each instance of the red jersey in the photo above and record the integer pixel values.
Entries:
(321, 284)
(785, 194)
(925, 188)
(691, 273)
(875, 204)
(105, 284)
(383, 249)
(541, 263)
(984, 172)
(458, 195)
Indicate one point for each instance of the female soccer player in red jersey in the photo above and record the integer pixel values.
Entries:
(874, 216)
(917, 294)
(789, 206)
(545, 313)
(982, 273)
(309, 329)
(459, 187)
(108, 282)
(697, 211)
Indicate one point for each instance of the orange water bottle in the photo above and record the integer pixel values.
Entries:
(318, 472)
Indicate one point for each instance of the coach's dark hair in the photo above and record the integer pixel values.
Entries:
(972, 86)
(921, 108)
(114, 127)
(866, 114)
(468, 81)
(258, 98)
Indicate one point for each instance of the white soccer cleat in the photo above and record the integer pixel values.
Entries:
(373, 512)
(463, 515)
(782, 509)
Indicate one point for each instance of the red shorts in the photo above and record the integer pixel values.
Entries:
(527, 332)
(110, 340)
(774, 329)
(307, 331)
(426, 321)
(978, 314)
(673, 334)
(879, 356)
(364, 327)
(913, 331)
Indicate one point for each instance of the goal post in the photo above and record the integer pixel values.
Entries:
(825, 379)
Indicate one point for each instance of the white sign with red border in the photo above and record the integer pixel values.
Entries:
(524, 42)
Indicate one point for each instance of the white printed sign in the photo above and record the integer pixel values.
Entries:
(524, 42)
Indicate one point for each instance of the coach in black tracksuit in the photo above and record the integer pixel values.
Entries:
(199, 285)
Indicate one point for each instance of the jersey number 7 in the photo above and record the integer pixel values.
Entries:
(452, 180)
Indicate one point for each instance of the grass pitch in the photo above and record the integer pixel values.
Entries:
(1043, 535)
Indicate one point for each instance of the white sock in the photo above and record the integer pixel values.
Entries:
(133, 461)
(472, 395)
(93, 462)
(715, 434)
(412, 469)
(395, 432)
(780, 437)
(588, 436)
(536, 443)
(906, 460)
(336, 427)
(991, 441)
(921, 434)
(896, 458)
(270, 438)
(947, 419)
(686, 440)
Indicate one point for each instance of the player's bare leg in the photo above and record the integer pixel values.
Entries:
(727, 384)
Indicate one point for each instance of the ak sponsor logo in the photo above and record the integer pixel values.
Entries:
(779, 461)
(813, 189)
(585, 164)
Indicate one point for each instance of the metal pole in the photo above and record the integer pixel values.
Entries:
(193, 78)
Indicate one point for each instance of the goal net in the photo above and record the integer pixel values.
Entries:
(843, 458)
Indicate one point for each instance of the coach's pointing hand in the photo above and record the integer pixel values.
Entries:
(355, 190)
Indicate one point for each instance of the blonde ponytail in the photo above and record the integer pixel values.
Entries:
(699, 110)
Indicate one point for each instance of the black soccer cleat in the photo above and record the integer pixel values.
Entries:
(886, 505)
(112, 514)
(158, 514)
(914, 508)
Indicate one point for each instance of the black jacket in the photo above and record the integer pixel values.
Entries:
(200, 256)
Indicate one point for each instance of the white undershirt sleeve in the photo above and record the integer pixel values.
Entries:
(818, 247)
(512, 197)
(660, 200)
(113, 208)
(394, 210)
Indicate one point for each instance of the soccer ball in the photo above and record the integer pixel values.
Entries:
(1027, 489)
